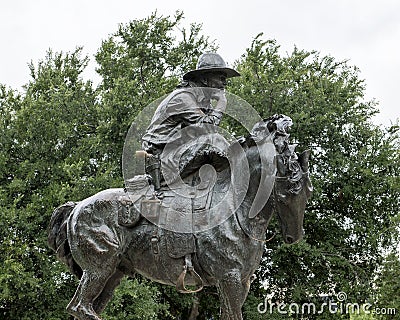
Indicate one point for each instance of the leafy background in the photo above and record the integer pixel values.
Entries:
(62, 138)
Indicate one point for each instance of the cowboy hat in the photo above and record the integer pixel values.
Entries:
(211, 62)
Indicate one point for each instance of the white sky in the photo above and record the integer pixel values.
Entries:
(367, 32)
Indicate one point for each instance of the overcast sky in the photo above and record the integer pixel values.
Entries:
(366, 32)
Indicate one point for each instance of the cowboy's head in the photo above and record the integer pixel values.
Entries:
(211, 71)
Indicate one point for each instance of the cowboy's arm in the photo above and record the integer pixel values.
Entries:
(186, 108)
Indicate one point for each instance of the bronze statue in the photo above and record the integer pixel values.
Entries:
(120, 232)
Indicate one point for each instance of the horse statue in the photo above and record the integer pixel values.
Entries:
(119, 232)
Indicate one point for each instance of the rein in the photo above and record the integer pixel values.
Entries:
(264, 241)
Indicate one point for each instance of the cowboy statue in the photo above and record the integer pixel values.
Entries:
(190, 113)
(204, 232)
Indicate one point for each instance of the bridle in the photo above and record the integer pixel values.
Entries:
(275, 196)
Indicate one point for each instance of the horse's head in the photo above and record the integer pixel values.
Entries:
(292, 189)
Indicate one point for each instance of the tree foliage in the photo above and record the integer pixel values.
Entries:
(354, 166)
(388, 295)
(61, 139)
(46, 159)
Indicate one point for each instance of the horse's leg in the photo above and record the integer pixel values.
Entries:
(90, 287)
(108, 291)
(233, 292)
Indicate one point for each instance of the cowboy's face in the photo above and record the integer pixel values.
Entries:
(216, 80)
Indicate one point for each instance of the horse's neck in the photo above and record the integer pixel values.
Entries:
(255, 176)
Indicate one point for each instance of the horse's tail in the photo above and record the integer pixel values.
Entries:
(58, 239)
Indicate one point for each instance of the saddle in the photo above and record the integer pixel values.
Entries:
(178, 215)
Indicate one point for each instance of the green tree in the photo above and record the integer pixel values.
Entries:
(61, 139)
(354, 166)
(388, 283)
(44, 139)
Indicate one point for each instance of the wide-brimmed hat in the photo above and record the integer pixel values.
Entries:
(211, 62)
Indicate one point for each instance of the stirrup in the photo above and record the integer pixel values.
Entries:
(180, 283)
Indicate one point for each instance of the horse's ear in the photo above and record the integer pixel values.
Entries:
(303, 159)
